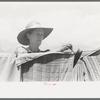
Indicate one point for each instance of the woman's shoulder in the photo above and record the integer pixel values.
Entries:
(20, 50)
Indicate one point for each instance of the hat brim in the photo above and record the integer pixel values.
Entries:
(22, 36)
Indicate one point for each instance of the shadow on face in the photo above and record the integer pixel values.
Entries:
(36, 36)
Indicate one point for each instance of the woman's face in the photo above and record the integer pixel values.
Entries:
(36, 37)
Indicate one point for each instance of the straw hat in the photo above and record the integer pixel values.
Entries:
(22, 36)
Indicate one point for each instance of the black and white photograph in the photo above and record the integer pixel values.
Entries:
(49, 42)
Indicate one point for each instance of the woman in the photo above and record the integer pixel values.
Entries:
(32, 36)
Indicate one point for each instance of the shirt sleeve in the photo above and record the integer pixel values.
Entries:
(20, 50)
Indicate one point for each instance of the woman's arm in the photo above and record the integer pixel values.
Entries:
(20, 50)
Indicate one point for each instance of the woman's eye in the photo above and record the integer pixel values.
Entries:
(40, 34)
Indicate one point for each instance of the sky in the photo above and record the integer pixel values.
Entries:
(77, 23)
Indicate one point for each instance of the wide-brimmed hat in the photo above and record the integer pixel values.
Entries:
(22, 36)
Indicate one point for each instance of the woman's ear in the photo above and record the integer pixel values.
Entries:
(28, 35)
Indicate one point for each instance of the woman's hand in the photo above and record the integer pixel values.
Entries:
(65, 48)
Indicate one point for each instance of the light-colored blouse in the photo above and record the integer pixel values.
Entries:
(21, 50)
